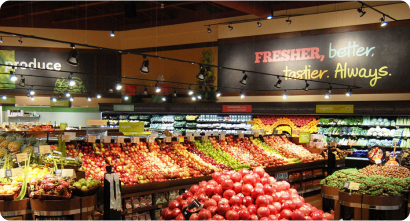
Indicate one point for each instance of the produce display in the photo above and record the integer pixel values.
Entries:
(243, 195)
(301, 123)
(50, 187)
(273, 151)
(85, 185)
(370, 185)
(404, 157)
(9, 191)
(291, 150)
(386, 171)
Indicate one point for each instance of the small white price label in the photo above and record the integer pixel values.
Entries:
(256, 133)
(191, 138)
(241, 135)
(136, 140)
(168, 139)
(151, 139)
(215, 133)
(21, 157)
(67, 173)
(2, 173)
(16, 172)
(48, 123)
(107, 139)
(205, 138)
(197, 134)
(38, 124)
(66, 138)
(222, 137)
(120, 139)
(91, 139)
(208, 134)
(378, 161)
(352, 186)
(188, 134)
(21, 124)
(223, 132)
(30, 124)
(44, 149)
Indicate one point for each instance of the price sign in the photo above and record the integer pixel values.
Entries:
(67, 173)
(222, 137)
(208, 134)
(30, 124)
(107, 139)
(21, 157)
(256, 133)
(120, 139)
(352, 185)
(36, 149)
(168, 139)
(17, 172)
(151, 139)
(13, 157)
(48, 123)
(71, 134)
(57, 152)
(378, 161)
(38, 124)
(58, 172)
(188, 134)
(197, 134)
(215, 133)
(223, 132)
(66, 138)
(91, 139)
(21, 124)
(2, 173)
(205, 138)
(136, 140)
(241, 135)
(181, 139)
(281, 176)
(8, 173)
(191, 138)
(262, 131)
(44, 149)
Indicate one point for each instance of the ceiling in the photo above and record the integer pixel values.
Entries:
(128, 15)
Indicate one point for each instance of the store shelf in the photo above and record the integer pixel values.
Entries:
(23, 116)
(305, 178)
(309, 189)
(231, 122)
(365, 126)
(369, 136)
(357, 158)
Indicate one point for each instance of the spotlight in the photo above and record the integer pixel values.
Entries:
(285, 96)
(1, 39)
(259, 24)
(382, 21)
(126, 97)
(22, 81)
(230, 27)
(13, 76)
(98, 96)
(20, 41)
(73, 56)
(88, 98)
(175, 93)
(349, 92)
(54, 99)
(67, 94)
(32, 98)
(242, 94)
(4, 97)
(157, 89)
(112, 34)
(71, 82)
(145, 91)
(330, 89)
(218, 94)
(289, 21)
(271, 15)
(243, 81)
(144, 67)
(209, 29)
(277, 85)
(200, 75)
(306, 88)
(199, 97)
(71, 99)
(190, 92)
(110, 91)
(360, 10)
(193, 98)
(327, 96)
(164, 98)
(31, 91)
(118, 86)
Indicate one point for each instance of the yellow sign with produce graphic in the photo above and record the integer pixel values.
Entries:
(6, 57)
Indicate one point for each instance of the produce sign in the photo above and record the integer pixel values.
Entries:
(301, 123)
(242, 195)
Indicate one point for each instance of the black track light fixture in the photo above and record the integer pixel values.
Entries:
(31, 91)
(175, 93)
(144, 67)
(259, 24)
(60, 96)
(242, 95)
(22, 82)
(270, 16)
(330, 89)
(112, 34)
(243, 80)
(190, 91)
(200, 76)
(20, 41)
(383, 21)
(349, 92)
(230, 27)
(277, 85)
(118, 86)
(1, 39)
(218, 93)
(13, 76)
(157, 88)
(361, 11)
(209, 29)
(145, 91)
(306, 88)
(73, 56)
(288, 21)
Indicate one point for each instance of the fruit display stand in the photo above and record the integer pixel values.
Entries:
(330, 200)
(76, 208)
(16, 208)
(350, 204)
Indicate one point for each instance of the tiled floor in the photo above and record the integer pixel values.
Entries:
(315, 200)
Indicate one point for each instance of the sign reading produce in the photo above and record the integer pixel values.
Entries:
(334, 109)
(237, 108)
(360, 58)
(131, 126)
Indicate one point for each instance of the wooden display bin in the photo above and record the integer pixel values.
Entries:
(78, 207)
(10, 208)
(330, 200)
(350, 204)
(371, 205)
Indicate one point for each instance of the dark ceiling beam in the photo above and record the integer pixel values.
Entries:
(14, 5)
(120, 13)
(258, 8)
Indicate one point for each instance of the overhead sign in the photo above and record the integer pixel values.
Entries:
(304, 137)
(119, 107)
(96, 122)
(8, 100)
(59, 103)
(371, 59)
(131, 126)
(335, 109)
(237, 108)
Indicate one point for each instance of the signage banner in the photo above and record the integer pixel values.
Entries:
(131, 126)
(371, 59)
(237, 108)
(59, 103)
(8, 100)
(334, 109)
(304, 137)
(119, 107)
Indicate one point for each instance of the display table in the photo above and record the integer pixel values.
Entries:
(330, 200)
(12, 208)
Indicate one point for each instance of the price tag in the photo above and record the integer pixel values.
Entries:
(222, 137)
(405, 154)
(38, 124)
(256, 133)
(44, 149)
(151, 139)
(8, 173)
(21, 124)
(205, 138)
(66, 138)
(107, 139)
(91, 139)
(36, 149)
(181, 139)
(48, 123)
(2, 173)
(17, 172)
(208, 134)
(71, 134)
(215, 133)
(30, 124)
(223, 132)
(21, 157)
(168, 139)
(67, 173)
(197, 134)
(262, 131)
(192, 138)
(13, 157)
(58, 172)
(57, 152)
(281, 176)
(120, 139)
(136, 140)
(13, 123)
(241, 135)
(352, 185)
(378, 161)
(188, 134)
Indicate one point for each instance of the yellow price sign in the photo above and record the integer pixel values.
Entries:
(181, 139)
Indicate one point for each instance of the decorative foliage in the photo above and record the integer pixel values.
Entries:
(207, 87)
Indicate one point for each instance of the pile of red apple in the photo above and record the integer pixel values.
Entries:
(244, 195)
